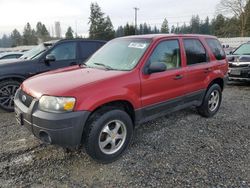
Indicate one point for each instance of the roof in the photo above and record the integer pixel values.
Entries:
(159, 36)
(82, 39)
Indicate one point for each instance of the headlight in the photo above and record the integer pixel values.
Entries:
(56, 104)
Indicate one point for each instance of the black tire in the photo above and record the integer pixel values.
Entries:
(94, 128)
(7, 92)
(205, 109)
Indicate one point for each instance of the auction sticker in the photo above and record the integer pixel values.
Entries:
(137, 45)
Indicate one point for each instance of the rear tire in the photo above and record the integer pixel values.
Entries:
(8, 90)
(107, 135)
(211, 102)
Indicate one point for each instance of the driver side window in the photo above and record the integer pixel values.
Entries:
(66, 51)
(167, 52)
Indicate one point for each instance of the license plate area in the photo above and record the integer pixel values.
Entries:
(235, 72)
(19, 117)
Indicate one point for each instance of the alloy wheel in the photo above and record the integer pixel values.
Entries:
(214, 100)
(7, 94)
(112, 137)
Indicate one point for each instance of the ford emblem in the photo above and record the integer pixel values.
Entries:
(24, 98)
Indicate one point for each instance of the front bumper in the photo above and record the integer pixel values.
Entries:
(241, 74)
(63, 129)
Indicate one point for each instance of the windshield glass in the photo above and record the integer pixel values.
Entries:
(34, 52)
(119, 54)
(243, 50)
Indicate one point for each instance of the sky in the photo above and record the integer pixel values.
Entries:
(75, 13)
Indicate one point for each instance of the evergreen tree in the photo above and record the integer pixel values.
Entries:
(205, 27)
(218, 25)
(173, 29)
(29, 35)
(156, 30)
(100, 27)
(16, 38)
(42, 32)
(164, 26)
(69, 34)
(145, 29)
(119, 32)
(129, 30)
(6, 41)
(108, 29)
(195, 24)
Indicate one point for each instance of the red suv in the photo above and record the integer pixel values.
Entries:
(128, 81)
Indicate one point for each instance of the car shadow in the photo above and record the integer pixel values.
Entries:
(238, 83)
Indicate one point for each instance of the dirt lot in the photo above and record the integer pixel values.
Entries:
(181, 149)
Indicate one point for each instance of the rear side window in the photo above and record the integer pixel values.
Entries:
(216, 48)
(195, 51)
(11, 56)
(88, 48)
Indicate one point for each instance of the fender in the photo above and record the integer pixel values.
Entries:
(109, 95)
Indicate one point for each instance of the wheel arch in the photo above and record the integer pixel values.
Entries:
(117, 104)
(219, 81)
(18, 78)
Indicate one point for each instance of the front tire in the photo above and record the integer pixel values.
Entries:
(107, 135)
(211, 102)
(8, 90)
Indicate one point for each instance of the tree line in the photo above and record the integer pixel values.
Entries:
(232, 20)
(30, 36)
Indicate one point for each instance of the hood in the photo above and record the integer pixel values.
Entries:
(59, 82)
(238, 58)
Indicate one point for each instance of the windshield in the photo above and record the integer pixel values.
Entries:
(34, 52)
(119, 54)
(243, 50)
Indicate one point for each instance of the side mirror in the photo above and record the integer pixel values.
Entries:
(50, 58)
(231, 53)
(156, 67)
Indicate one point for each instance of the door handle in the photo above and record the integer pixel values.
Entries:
(207, 70)
(178, 77)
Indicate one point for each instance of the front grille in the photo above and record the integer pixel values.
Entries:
(238, 65)
(25, 98)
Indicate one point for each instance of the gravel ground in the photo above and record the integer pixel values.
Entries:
(178, 150)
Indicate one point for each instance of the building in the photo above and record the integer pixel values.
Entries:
(58, 31)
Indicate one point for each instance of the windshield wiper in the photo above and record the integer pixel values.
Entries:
(105, 66)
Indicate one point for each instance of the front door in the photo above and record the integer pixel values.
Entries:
(164, 89)
(65, 55)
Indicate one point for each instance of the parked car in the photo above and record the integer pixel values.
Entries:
(41, 59)
(10, 55)
(129, 81)
(239, 63)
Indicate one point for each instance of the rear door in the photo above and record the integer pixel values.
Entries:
(163, 90)
(198, 65)
(87, 48)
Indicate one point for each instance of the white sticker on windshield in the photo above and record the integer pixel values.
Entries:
(137, 45)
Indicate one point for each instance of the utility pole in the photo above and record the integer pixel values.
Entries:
(136, 9)
(76, 28)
